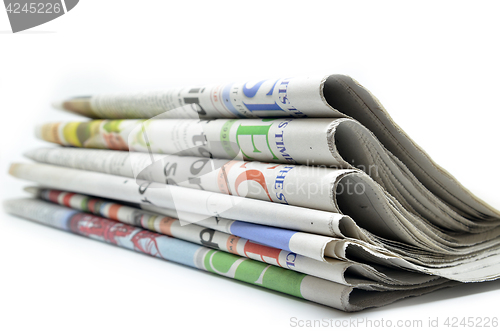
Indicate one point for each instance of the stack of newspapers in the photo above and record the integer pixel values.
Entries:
(301, 185)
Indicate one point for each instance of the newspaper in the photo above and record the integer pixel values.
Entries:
(342, 143)
(470, 263)
(315, 231)
(473, 268)
(313, 96)
(299, 97)
(326, 189)
(347, 273)
(300, 285)
(274, 166)
(290, 184)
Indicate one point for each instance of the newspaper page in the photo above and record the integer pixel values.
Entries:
(311, 288)
(290, 184)
(296, 97)
(337, 190)
(369, 277)
(324, 142)
(473, 268)
(289, 97)
(469, 263)
(194, 202)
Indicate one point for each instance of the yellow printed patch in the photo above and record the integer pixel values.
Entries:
(69, 132)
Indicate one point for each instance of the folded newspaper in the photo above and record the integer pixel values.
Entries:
(302, 185)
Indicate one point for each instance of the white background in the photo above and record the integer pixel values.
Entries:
(434, 65)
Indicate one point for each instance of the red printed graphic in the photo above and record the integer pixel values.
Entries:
(253, 175)
(115, 232)
(166, 225)
(145, 241)
(113, 211)
(115, 141)
(67, 198)
(100, 228)
(262, 251)
(54, 195)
